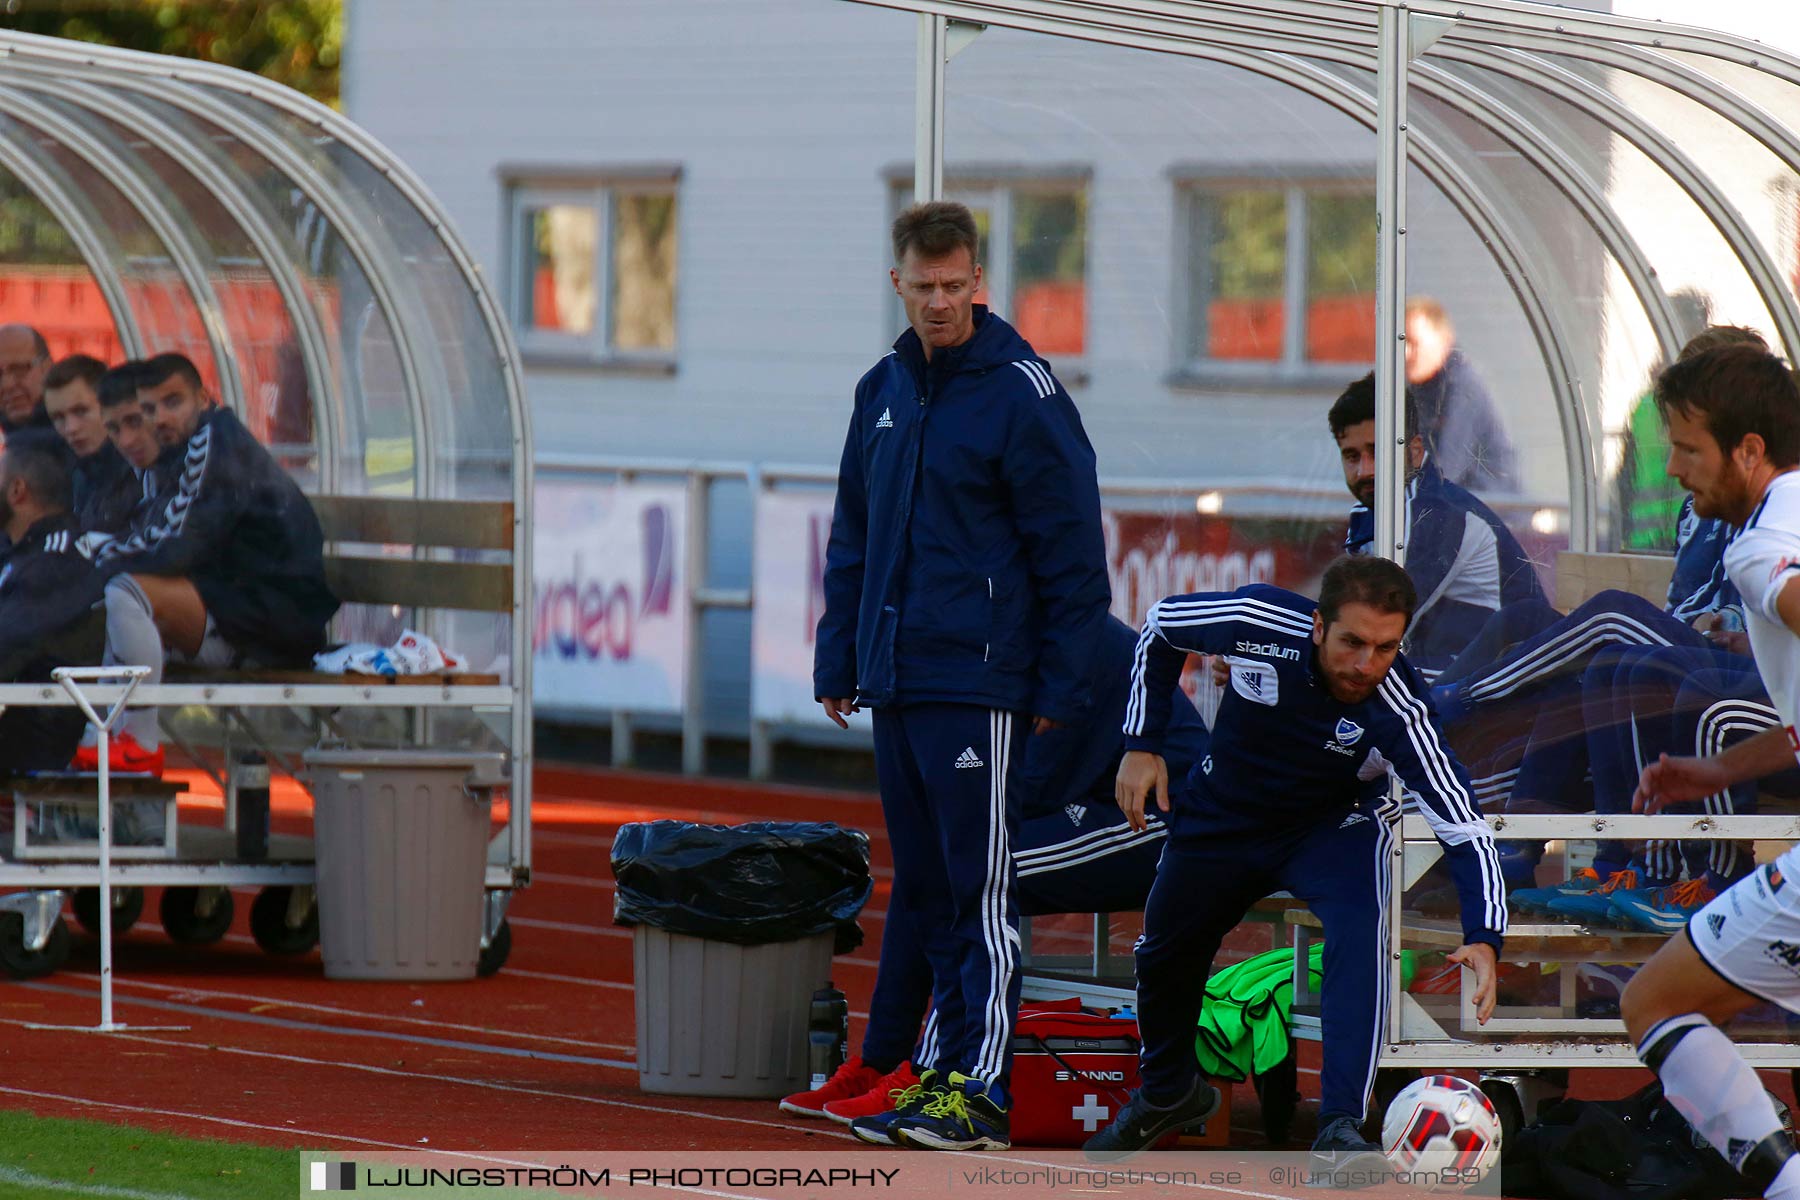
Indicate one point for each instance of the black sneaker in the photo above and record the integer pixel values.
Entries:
(1140, 1124)
(1340, 1150)
(878, 1130)
(965, 1114)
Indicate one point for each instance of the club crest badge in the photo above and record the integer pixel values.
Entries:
(1348, 732)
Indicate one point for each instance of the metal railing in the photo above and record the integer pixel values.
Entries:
(1248, 497)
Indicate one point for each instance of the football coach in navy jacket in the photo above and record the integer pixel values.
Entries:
(965, 596)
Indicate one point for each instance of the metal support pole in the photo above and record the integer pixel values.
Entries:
(624, 747)
(71, 679)
(693, 695)
(928, 107)
(762, 750)
(1390, 356)
(1390, 283)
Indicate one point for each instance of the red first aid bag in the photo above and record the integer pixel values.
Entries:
(1073, 1069)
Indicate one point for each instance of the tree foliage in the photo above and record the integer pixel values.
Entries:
(294, 42)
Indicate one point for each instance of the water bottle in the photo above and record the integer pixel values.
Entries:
(827, 1034)
(252, 807)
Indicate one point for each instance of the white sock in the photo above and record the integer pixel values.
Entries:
(1787, 1184)
(1717, 1092)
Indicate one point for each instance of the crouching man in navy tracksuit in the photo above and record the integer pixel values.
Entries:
(1321, 708)
(965, 595)
(1075, 852)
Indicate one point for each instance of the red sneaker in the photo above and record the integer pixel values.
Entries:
(125, 755)
(851, 1079)
(884, 1095)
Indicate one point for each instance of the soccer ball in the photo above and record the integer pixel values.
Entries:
(1445, 1126)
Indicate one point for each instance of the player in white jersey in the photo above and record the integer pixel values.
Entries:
(1734, 436)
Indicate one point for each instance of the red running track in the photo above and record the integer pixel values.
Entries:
(537, 1058)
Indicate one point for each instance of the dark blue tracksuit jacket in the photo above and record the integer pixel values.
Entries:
(966, 561)
(1699, 583)
(1285, 753)
(235, 525)
(1291, 796)
(49, 618)
(1076, 763)
(1462, 558)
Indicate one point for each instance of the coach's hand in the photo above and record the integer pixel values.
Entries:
(1219, 668)
(1674, 780)
(838, 709)
(1479, 957)
(1141, 773)
(1044, 725)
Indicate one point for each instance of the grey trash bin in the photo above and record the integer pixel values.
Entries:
(718, 1019)
(400, 842)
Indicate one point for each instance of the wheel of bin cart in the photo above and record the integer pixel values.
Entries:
(269, 923)
(128, 906)
(498, 948)
(185, 922)
(20, 963)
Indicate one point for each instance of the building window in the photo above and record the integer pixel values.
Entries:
(1033, 255)
(594, 268)
(1280, 275)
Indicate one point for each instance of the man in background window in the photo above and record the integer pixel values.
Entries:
(1462, 430)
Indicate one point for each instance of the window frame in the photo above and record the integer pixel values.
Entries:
(1192, 368)
(531, 189)
(993, 189)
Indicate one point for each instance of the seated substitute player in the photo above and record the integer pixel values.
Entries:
(72, 402)
(1464, 561)
(1321, 708)
(138, 494)
(1074, 853)
(1734, 434)
(146, 468)
(49, 594)
(231, 569)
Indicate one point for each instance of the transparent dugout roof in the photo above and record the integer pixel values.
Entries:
(1604, 187)
(322, 293)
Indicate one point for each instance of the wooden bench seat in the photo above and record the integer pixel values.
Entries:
(398, 552)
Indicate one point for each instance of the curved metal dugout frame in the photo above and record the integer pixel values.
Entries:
(1347, 33)
(1419, 45)
(278, 127)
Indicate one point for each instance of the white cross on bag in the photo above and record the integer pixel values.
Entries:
(1090, 1112)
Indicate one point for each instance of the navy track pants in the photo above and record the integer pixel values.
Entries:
(949, 791)
(1203, 887)
(1086, 859)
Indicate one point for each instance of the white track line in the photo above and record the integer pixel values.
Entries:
(43, 1183)
(484, 1084)
(582, 881)
(568, 927)
(287, 1130)
(551, 977)
(179, 993)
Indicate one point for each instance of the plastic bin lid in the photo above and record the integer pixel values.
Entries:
(488, 764)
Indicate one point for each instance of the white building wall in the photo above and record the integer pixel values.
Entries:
(786, 118)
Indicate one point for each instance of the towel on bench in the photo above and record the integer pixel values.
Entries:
(412, 653)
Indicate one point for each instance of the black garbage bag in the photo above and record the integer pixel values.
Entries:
(752, 884)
